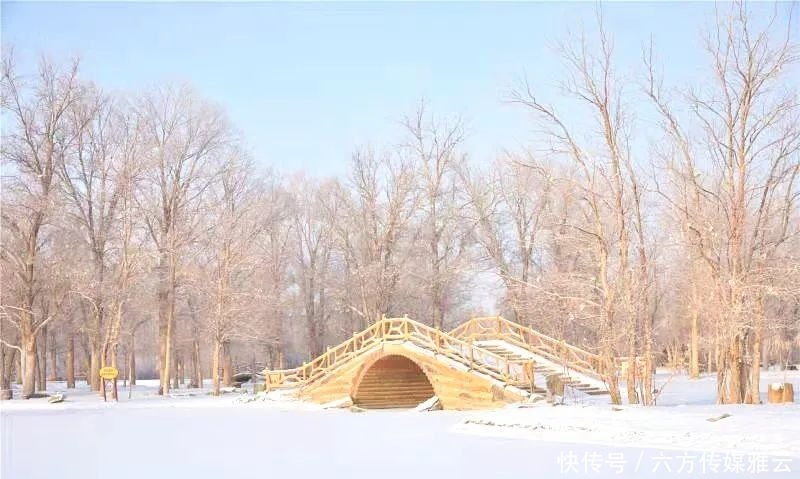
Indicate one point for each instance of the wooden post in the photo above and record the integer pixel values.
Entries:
(471, 354)
(328, 355)
(529, 369)
(103, 382)
(116, 395)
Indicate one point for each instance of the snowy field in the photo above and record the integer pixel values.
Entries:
(195, 436)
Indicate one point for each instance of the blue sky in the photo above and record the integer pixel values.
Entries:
(307, 83)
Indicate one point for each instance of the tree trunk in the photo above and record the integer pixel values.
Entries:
(166, 309)
(227, 364)
(5, 373)
(53, 359)
(610, 376)
(132, 361)
(754, 389)
(174, 372)
(94, 365)
(18, 366)
(69, 366)
(648, 361)
(694, 361)
(163, 376)
(197, 372)
(735, 366)
(36, 372)
(41, 360)
(215, 352)
(28, 365)
(632, 366)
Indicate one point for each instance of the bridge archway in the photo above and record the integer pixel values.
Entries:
(392, 381)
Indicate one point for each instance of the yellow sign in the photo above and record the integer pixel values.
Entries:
(109, 372)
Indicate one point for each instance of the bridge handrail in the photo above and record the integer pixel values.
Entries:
(508, 371)
(498, 327)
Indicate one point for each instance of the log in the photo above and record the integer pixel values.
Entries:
(717, 418)
(56, 398)
(432, 404)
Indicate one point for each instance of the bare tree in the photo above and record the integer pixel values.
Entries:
(434, 148)
(183, 135)
(609, 186)
(733, 165)
(35, 146)
(509, 206)
(89, 177)
(313, 231)
(373, 229)
(233, 202)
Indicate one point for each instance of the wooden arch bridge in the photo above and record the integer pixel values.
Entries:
(484, 363)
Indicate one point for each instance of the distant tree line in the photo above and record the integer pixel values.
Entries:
(138, 227)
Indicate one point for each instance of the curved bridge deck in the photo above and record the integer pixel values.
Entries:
(398, 362)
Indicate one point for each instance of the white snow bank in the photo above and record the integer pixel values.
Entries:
(773, 430)
(145, 395)
(338, 403)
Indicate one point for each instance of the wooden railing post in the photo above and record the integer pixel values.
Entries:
(471, 355)
(530, 366)
(328, 356)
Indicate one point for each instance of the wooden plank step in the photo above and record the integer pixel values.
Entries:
(394, 399)
(393, 390)
(387, 406)
(393, 382)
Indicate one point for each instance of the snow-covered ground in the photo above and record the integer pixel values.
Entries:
(195, 436)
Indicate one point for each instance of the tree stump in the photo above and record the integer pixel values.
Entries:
(788, 393)
(780, 393)
(555, 385)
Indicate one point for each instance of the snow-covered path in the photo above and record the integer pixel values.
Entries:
(247, 440)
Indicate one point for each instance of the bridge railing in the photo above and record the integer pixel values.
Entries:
(518, 373)
(558, 351)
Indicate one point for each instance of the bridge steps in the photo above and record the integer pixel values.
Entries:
(545, 368)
